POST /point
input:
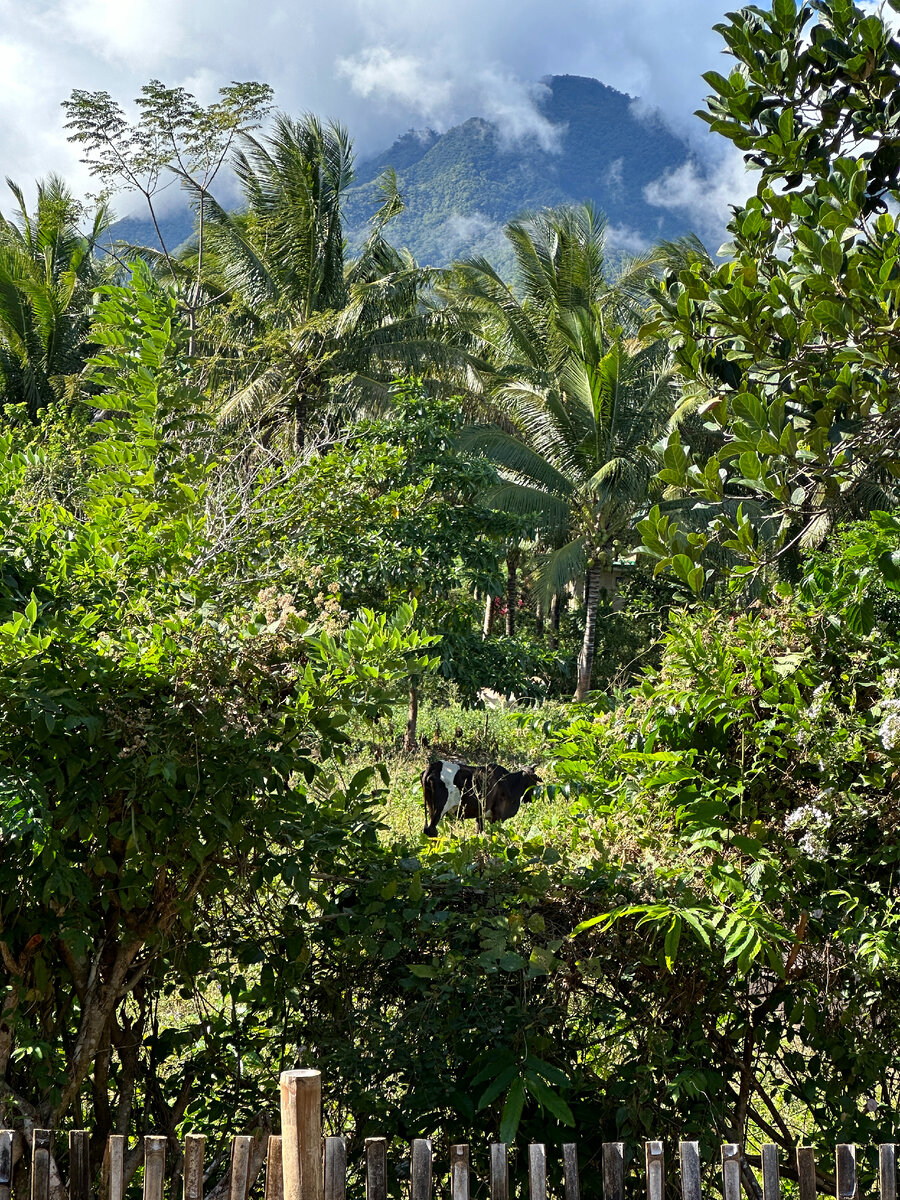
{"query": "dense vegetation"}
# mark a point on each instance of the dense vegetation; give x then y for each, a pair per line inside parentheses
(280, 521)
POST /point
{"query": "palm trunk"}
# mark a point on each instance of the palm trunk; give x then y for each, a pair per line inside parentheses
(586, 654)
(410, 741)
(539, 619)
(512, 566)
(554, 621)
(488, 616)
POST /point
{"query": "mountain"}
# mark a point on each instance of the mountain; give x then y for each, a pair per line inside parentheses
(461, 186)
(176, 226)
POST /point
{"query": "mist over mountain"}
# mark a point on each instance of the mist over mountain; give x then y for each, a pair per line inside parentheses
(461, 186)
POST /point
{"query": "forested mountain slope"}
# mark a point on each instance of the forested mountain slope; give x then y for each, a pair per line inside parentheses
(462, 185)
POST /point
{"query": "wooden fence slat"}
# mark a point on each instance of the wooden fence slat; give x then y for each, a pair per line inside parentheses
(274, 1170)
(654, 1159)
(194, 1151)
(537, 1171)
(571, 1183)
(154, 1167)
(79, 1164)
(731, 1171)
(40, 1165)
(806, 1172)
(113, 1171)
(499, 1171)
(376, 1169)
(239, 1175)
(459, 1172)
(689, 1161)
(846, 1186)
(301, 1134)
(6, 1167)
(613, 1171)
(771, 1179)
(335, 1168)
(887, 1172)
(420, 1169)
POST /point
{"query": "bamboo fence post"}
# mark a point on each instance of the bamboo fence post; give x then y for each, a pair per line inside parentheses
(806, 1172)
(40, 1165)
(654, 1158)
(420, 1170)
(537, 1171)
(274, 1170)
(571, 1187)
(499, 1171)
(154, 1167)
(887, 1172)
(689, 1159)
(79, 1164)
(6, 1167)
(301, 1134)
(112, 1176)
(731, 1171)
(376, 1169)
(194, 1150)
(459, 1172)
(335, 1168)
(846, 1183)
(239, 1175)
(613, 1171)
(771, 1180)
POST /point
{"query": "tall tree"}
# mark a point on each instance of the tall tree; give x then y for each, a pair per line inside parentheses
(305, 326)
(49, 269)
(580, 401)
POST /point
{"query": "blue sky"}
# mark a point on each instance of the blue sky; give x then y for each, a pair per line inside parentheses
(380, 66)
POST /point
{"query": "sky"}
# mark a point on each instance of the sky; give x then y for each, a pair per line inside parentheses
(379, 66)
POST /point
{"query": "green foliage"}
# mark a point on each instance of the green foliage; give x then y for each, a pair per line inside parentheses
(151, 739)
(789, 347)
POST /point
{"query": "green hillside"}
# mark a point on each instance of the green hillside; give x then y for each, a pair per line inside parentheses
(461, 186)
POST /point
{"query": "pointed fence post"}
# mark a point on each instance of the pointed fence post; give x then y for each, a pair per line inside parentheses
(887, 1171)
(40, 1165)
(113, 1172)
(654, 1157)
(420, 1170)
(192, 1172)
(6, 1157)
(499, 1171)
(689, 1157)
(613, 1171)
(301, 1134)
(274, 1170)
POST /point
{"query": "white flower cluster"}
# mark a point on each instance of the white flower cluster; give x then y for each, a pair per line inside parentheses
(889, 732)
(815, 823)
(819, 697)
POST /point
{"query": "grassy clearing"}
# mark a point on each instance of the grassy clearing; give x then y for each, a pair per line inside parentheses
(514, 739)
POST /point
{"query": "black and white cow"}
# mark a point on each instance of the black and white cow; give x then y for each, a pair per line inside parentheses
(490, 792)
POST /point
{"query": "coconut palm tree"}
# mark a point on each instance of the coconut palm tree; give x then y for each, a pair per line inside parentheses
(579, 400)
(306, 328)
(49, 270)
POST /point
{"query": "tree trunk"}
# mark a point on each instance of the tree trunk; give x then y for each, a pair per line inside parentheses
(539, 619)
(488, 616)
(512, 568)
(554, 621)
(586, 654)
(410, 741)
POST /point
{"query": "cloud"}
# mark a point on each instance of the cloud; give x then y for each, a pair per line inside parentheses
(707, 192)
(379, 66)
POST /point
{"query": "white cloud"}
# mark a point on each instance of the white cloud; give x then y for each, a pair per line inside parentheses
(705, 192)
(620, 237)
(379, 66)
